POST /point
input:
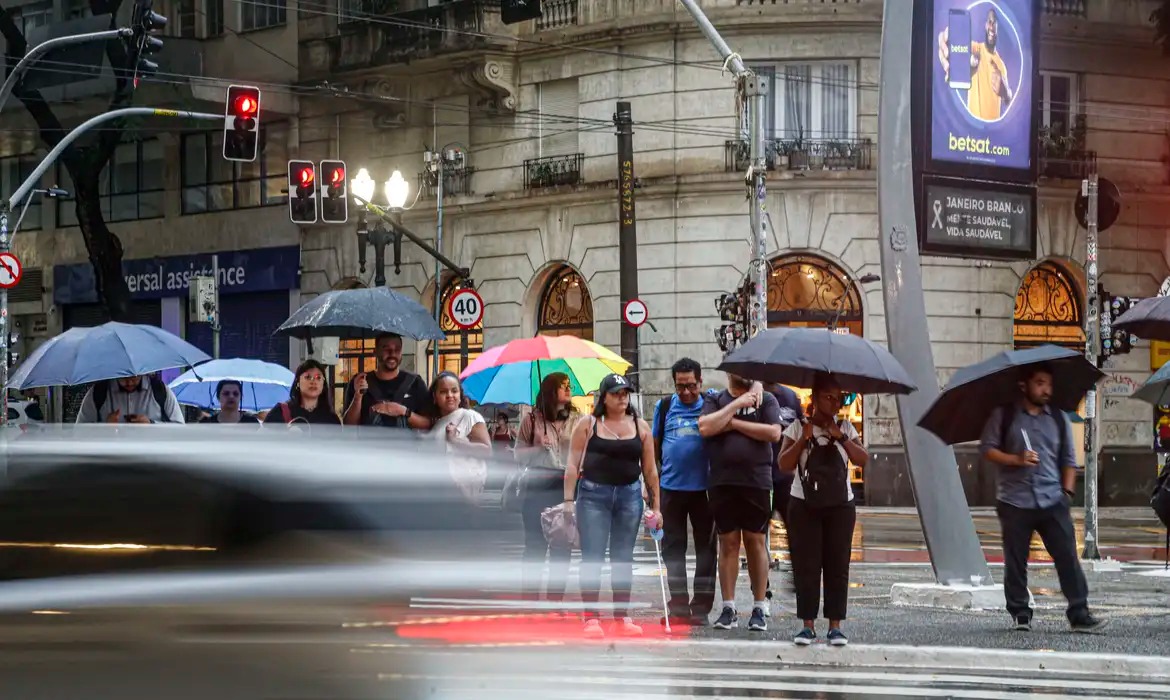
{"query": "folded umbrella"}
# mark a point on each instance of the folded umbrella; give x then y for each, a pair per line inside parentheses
(264, 384)
(794, 356)
(511, 373)
(965, 404)
(362, 313)
(1149, 319)
(108, 351)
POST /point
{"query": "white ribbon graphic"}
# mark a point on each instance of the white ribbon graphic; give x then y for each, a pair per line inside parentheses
(937, 223)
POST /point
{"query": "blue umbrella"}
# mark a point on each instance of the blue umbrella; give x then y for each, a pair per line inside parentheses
(362, 313)
(108, 351)
(265, 384)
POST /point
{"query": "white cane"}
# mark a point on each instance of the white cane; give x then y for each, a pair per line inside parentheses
(661, 569)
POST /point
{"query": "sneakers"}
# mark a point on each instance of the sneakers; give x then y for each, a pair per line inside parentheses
(626, 628)
(757, 623)
(728, 620)
(1089, 624)
(805, 637)
(1023, 624)
(837, 638)
(593, 630)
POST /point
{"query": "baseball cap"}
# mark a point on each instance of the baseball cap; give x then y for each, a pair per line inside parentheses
(613, 383)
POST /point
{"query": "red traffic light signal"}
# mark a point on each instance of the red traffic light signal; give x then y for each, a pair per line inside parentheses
(302, 195)
(334, 192)
(241, 123)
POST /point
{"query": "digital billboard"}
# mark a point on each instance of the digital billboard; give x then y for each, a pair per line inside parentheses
(981, 96)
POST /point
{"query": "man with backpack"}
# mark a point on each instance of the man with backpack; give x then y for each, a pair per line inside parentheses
(392, 397)
(1030, 442)
(683, 484)
(142, 399)
(739, 426)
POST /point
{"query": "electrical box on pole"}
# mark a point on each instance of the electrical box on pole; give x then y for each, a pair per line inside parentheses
(241, 123)
(302, 192)
(334, 192)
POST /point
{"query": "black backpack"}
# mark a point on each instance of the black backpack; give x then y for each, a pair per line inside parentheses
(101, 392)
(1160, 502)
(825, 475)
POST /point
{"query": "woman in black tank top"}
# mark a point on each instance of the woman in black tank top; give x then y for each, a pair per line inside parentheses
(612, 452)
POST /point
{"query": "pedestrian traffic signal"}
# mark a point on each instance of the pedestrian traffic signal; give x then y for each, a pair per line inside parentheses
(145, 21)
(241, 123)
(302, 192)
(334, 192)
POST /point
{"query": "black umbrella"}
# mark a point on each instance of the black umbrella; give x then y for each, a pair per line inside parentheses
(360, 313)
(1149, 318)
(962, 409)
(794, 356)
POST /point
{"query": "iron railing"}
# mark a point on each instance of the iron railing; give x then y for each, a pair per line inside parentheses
(1073, 165)
(803, 154)
(553, 171)
(558, 13)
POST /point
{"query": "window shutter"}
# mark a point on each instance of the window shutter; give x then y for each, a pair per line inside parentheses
(559, 103)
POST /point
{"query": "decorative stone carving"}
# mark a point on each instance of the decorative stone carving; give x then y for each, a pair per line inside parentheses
(492, 80)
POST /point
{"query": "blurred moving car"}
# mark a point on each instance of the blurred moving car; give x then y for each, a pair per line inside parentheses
(214, 562)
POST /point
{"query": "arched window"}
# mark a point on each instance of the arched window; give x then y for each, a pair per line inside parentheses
(1048, 308)
(809, 291)
(462, 345)
(565, 306)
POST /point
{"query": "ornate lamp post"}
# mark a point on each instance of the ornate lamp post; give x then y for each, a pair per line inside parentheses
(397, 189)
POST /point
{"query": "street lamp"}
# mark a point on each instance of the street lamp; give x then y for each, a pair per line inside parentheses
(397, 190)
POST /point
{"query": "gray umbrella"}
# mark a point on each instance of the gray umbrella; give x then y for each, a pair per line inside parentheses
(794, 356)
(1149, 319)
(360, 313)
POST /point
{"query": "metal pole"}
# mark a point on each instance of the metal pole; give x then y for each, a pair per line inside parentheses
(438, 269)
(37, 51)
(1092, 348)
(5, 334)
(34, 178)
(753, 91)
(934, 475)
(627, 235)
(215, 325)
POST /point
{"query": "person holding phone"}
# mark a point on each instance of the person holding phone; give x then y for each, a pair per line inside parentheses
(1032, 445)
(140, 399)
(990, 92)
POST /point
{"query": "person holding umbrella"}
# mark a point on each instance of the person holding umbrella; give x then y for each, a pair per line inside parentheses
(391, 397)
(821, 513)
(1030, 441)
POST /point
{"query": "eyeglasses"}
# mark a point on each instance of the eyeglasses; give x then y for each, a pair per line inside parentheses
(692, 386)
(313, 377)
(567, 387)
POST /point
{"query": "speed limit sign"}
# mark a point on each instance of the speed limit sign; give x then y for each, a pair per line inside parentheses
(465, 308)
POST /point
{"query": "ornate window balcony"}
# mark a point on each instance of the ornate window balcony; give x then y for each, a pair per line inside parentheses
(557, 14)
(824, 154)
(553, 171)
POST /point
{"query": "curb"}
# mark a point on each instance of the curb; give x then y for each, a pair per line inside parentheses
(974, 659)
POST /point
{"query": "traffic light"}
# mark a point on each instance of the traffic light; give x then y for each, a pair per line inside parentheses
(302, 192)
(145, 21)
(241, 123)
(334, 192)
(515, 11)
(1113, 340)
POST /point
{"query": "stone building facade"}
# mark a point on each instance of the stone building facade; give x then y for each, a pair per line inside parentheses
(533, 212)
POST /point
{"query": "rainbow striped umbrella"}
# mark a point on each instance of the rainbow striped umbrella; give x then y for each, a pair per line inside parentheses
(511, 373)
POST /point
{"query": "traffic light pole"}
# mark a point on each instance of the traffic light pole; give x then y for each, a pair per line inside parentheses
(753, 92)
(41, 49)
(26, 190)
(1092, 348)
(381, 213)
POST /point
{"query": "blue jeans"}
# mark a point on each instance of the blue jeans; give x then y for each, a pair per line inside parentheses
(608, 517)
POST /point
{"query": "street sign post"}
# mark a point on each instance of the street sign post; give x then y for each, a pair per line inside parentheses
(10, 271)
(634, 312)
(465, 308)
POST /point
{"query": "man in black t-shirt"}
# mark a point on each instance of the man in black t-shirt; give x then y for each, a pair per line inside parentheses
(390, 397)
(740, 426)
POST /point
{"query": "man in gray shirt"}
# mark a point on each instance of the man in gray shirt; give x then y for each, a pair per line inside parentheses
(142, 399)
(1032, 444)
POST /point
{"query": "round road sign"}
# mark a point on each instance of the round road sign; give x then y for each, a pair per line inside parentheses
(635, 313)
(465, 308)
(10, 270)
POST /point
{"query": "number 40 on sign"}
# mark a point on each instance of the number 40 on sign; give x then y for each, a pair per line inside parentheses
(465, 308)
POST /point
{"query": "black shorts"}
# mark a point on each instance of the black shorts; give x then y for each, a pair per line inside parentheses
(738, 508)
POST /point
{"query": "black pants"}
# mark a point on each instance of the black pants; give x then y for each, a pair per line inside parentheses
(781, 494)
(821, 542)
(677, 508)
(541, 494)
(1055, 526)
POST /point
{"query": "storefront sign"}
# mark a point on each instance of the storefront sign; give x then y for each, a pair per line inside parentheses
(240, 271)
(978, 220)
(983, 67)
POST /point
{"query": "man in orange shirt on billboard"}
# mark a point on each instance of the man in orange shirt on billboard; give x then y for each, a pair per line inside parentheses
(989, 93)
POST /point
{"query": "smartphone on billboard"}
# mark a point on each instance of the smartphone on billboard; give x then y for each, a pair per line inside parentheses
(959, 44)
